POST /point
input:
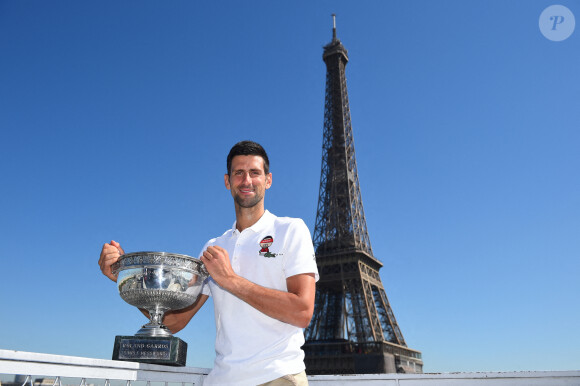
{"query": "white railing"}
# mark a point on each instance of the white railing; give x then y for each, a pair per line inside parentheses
(86, 371)
(518, 378)
(48, 365)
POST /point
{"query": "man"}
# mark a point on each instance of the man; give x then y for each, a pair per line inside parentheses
(263, 275)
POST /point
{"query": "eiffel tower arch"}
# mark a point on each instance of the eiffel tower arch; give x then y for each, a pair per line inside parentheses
(353, 329)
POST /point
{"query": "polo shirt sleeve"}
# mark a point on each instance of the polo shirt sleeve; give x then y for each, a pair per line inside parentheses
(299, 252)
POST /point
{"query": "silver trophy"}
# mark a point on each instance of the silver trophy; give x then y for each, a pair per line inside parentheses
(157, 282)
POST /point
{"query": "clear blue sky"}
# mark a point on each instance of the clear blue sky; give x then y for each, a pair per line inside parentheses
(116, 117)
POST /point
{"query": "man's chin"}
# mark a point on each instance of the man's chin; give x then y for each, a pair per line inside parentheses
(247, 203)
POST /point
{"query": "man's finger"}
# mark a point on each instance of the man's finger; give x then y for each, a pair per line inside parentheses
(118, 246)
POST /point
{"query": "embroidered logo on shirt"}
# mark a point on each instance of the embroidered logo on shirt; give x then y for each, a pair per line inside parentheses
(265, 244)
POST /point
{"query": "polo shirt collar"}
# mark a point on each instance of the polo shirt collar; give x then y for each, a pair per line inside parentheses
(262, 224)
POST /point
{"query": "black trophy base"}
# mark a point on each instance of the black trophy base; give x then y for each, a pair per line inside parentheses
(170, 351)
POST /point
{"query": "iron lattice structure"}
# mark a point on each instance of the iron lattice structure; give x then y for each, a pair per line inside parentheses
(353, 329)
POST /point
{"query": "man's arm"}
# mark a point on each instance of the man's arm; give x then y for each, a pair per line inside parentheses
(294, 307)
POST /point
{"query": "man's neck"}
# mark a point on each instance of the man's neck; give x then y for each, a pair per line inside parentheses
(246, 217)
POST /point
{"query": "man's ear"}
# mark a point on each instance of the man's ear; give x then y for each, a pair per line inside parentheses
(268, 180)
(227, 181)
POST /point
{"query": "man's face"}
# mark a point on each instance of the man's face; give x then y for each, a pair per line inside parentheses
(247, 180)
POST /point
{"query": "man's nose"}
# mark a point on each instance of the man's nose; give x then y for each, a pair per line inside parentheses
(246, 179)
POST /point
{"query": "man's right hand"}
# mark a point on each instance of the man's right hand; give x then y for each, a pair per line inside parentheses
(109, 255)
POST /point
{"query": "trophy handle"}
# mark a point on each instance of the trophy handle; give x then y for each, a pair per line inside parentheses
(203, 270)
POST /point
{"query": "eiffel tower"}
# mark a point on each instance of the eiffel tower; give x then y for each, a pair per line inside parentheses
(353, 329)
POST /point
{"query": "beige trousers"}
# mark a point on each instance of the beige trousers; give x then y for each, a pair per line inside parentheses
(289, 380)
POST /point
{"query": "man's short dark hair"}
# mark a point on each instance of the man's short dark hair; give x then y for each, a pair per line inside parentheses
(248, 148)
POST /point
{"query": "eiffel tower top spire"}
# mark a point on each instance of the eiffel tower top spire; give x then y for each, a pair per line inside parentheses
(340, 220)
(335, 46)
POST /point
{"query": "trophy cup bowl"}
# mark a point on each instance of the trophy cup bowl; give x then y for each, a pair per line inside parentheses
(157, 282)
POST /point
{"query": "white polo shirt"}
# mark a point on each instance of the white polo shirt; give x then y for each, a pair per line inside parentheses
(251, 347)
